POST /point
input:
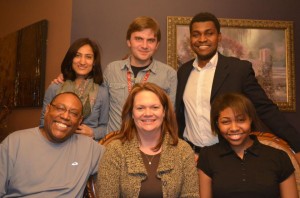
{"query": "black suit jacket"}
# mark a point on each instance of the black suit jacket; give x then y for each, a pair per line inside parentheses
(235, 75)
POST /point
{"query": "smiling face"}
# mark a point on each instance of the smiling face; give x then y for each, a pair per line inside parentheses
(148, 112)
(204, 39)
(83, 61)
(143, 44)
(62, 118)
(235, 128)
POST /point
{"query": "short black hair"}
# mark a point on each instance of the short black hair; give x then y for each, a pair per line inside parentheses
(203, 17)
(70, 93)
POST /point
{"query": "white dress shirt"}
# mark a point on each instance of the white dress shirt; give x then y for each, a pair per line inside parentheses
(196, 99)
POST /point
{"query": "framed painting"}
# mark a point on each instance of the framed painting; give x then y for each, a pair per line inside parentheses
(268, 45)
(22, 66)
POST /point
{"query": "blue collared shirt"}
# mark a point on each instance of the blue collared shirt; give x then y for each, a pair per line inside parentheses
(115, 78)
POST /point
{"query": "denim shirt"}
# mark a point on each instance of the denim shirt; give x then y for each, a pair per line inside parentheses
(115, 78)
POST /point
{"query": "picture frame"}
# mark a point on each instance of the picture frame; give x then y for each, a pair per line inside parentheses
(23, 65)
(267, 44)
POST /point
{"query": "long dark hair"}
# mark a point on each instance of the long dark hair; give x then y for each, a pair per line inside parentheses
(66, 65)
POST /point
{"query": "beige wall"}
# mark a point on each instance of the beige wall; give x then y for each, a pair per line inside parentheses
(16, 14)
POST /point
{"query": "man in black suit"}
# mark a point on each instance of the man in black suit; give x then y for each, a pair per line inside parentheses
(211, 74)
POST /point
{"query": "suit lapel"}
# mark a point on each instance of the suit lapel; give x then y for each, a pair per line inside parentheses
(185, 77)
(221, 74)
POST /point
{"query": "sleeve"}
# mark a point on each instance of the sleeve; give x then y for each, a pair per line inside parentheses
(287, 167)
(49, 95)
(203, 162)
(268, 111)
(190, 187)
(8, 152)
(109, 172)
(173, 86)
(101, 130)
(3, 168)
(98, 151)
(106, 76)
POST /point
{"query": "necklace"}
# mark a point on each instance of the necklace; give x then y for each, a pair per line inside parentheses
(149, 159)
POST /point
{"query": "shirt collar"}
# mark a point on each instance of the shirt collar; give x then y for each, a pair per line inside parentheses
(225, 148)
(126, 64)
(211, 64)
(152, 67)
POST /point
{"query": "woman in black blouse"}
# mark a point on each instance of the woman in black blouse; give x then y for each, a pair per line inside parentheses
(239, 165)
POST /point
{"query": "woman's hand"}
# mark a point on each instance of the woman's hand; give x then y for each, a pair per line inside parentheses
(58, 80)
(85, 130)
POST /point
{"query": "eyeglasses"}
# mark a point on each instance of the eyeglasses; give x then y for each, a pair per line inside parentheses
(62, 109)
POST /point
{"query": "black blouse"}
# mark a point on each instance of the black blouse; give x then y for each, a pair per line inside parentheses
(257, 175)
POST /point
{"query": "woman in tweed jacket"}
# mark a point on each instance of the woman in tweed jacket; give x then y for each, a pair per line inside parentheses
(146, 158)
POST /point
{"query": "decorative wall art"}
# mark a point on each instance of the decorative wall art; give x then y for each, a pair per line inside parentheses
(22, 66)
